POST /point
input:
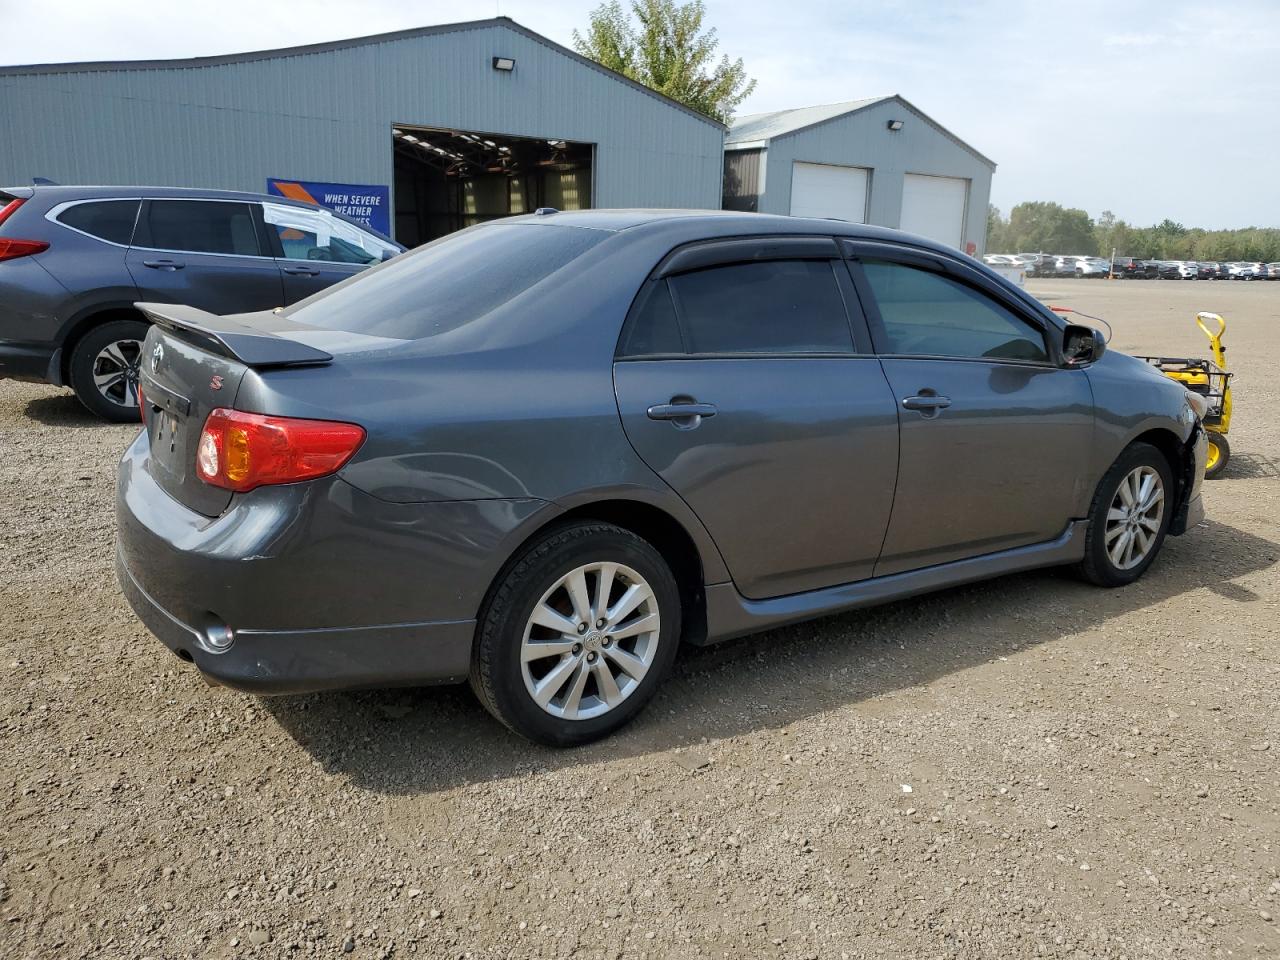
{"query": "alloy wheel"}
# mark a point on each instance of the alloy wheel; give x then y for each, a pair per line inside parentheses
(115, 372)
(1133, 520)
(590, 640)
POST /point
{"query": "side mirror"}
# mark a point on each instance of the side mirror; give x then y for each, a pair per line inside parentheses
(1082, 345)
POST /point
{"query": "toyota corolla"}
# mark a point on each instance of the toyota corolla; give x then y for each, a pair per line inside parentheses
(541, 453)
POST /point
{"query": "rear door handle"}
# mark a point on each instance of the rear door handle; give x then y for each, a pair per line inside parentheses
(927, 403)
(301, 271)
(163, 264)
(683, 415)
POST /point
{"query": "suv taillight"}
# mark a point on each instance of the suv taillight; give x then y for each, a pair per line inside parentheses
(8, 209)
(239, 451)
(13, 249)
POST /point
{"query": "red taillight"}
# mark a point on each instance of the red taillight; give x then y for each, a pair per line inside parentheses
(8, 209)
(13, 249)
(142, 406)
(239, 451)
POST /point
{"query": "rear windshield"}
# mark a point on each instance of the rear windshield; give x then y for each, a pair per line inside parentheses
(448, 283)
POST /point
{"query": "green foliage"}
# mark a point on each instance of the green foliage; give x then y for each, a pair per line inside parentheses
(1048, 227)
(667, 49)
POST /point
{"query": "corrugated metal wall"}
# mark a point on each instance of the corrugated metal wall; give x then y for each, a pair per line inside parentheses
(327, 115)
(863, 139)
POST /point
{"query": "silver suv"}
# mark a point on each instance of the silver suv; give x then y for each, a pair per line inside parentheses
(74, 260)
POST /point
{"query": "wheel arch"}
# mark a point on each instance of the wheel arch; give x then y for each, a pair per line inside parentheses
(668, 535)
(84, 321)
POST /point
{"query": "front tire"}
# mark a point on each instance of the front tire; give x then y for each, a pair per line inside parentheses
(577, 634)
(1219, 454)
(1129, 517)
(104, 369)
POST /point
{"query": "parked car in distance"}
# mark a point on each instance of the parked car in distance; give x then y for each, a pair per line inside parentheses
(1273, 271)
(73, 261)
(1206, 271)
(1049, 265)
(537, 454)
(1091, 267)
(1131, 268)
(1176, 270)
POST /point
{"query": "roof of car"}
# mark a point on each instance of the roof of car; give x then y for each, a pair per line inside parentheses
(724, 222)
(78, 192)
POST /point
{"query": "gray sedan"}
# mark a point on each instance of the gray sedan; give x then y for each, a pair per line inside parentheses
(540, 453)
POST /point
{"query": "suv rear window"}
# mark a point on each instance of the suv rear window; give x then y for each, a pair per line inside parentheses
(448, 283)
(111, 220)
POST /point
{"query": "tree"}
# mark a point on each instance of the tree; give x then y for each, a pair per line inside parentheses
(1042, 226)
(668, 50)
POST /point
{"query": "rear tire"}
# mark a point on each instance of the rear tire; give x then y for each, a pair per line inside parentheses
(104, 368)
(1219, 454)
(554, 661)
(1128, 520)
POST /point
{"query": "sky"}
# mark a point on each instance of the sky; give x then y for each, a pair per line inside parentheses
(1149, 110)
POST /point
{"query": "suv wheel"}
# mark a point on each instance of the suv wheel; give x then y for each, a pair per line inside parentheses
(1129, 517)
(577, 634)
(104, 369)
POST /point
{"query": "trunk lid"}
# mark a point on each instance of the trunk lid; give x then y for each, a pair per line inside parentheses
(192, 363)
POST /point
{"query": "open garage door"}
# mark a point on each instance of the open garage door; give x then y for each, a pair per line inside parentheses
(828, 190)
(934, 207)
(449, 179)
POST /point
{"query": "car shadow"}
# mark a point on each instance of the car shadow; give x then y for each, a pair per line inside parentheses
(432, 739)
(63, 410)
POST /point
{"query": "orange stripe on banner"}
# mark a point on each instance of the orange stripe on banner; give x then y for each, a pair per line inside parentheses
(295, 191)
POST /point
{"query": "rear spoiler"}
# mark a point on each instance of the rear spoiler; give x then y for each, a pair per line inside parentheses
(254, 346)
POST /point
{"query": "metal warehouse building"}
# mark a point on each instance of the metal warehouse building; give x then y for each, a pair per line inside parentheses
(465, 122)
(877, 161)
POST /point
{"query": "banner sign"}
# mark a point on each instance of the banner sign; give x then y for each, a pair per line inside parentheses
(364, 203)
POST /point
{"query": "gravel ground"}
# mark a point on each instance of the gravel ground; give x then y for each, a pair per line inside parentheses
(1028, 767)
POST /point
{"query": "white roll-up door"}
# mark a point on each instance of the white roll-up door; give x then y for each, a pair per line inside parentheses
(828, 190)
(934, 207)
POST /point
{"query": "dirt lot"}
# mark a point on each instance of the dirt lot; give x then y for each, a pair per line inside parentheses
(1028, 767)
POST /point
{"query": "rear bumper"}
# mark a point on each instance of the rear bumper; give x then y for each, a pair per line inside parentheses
(322, 586)
(306, 661)
(26, 361)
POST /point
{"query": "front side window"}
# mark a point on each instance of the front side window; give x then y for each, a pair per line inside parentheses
(927, 314)
(105, 219)
(200, 226)
(766, 307)
(316, 234)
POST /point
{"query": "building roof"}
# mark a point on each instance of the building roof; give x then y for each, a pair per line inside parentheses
(766, 126)
(757, 129)
(233, 58)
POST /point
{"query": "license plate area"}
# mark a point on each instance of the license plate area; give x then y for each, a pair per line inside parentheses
(166, 419)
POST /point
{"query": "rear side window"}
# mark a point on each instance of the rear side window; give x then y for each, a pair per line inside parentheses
(111, 220)
(652, 329)
(446, 284)
(926, 314)
(199, 226)
(766, 307)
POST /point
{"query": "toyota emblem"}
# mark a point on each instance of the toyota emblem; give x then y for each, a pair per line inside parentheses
(156, 356)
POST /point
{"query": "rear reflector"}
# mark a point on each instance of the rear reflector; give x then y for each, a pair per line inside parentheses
(240, 451)
(12, 249)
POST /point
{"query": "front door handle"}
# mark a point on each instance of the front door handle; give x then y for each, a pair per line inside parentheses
(169, 265)
(926, 402)
(301, 271)
(683, 414)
